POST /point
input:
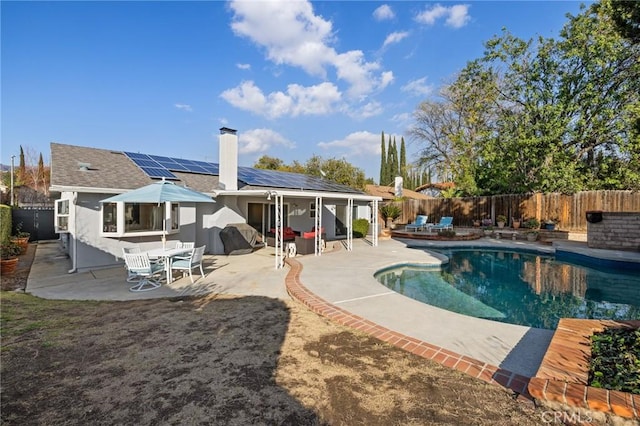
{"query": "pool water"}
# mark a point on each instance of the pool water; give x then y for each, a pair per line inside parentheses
(519, 288)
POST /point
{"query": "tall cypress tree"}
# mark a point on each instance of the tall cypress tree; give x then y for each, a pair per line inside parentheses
(394, 161)
(389, 167)
(22, 169)
(403, 161)
(383, 161)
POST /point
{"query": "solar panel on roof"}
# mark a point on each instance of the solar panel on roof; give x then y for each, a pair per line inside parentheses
(158, 172)
(136, 155)
(157, 166)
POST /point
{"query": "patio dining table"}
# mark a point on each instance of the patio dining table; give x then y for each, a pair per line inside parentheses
(167, 254)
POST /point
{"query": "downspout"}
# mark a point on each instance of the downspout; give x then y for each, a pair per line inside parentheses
(74, 256)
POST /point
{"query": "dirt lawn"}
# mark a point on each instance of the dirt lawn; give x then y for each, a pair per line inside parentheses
(222, 360)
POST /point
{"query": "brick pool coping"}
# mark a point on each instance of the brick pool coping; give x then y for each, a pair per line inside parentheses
(560, 378)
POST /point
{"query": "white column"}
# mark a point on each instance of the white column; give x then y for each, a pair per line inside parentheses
(350, 224)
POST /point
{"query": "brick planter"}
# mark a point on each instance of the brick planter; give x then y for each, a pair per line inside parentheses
(564, 373)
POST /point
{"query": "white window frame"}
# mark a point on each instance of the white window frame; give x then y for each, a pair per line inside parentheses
(62, 213)
(171, 221)
(312, 209)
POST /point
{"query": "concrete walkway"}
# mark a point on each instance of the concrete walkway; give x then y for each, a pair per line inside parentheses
(238, 275)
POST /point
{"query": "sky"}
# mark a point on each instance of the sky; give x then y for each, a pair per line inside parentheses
(295, 78)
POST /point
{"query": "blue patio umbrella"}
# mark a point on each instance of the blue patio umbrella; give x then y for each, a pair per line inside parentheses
(161, 192)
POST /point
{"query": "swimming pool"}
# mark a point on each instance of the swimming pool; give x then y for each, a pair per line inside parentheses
(518, 287)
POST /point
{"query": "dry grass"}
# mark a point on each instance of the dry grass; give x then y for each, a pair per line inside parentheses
(222, 360)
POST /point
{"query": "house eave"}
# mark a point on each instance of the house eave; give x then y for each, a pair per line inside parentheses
(297, 194)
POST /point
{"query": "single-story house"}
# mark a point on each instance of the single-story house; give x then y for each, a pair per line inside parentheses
(94, 232)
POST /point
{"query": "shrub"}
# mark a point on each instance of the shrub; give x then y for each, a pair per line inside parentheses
(360, 228)
(5, 223)
(532, 223)
(9, 250)
(449, 233)
(502, 218)
(390, 211)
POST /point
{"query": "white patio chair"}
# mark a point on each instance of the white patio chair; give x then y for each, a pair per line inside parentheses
(131, 277)
(145, 270)
(186, 245)
(188, 263)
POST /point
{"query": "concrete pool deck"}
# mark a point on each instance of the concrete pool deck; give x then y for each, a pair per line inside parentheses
(341, 286)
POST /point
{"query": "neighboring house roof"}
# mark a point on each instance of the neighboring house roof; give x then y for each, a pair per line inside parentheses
(76, 168)
(439, 186)
(388, 192)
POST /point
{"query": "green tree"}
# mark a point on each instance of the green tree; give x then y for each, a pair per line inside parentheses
(540, 115)
(383, 161)
(336, 170)
(626, 17)
(403, 161)
(22, 169)
(269, 163)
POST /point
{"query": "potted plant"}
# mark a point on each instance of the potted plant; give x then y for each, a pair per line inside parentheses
(9, 252)
(549, 224)
(532, 235)
(501, 220)
(21, 238)
(488, 230)
(532, 223)
(390, 212)
(515, 222)
(476, 223)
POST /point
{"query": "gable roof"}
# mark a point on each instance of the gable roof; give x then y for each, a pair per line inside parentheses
(105, 171)
(388, 193)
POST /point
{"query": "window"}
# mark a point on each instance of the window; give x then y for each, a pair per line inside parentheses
(128, 219)
(312, 209)
(62, 216)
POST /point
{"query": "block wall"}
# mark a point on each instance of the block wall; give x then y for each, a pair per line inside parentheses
(617, 231)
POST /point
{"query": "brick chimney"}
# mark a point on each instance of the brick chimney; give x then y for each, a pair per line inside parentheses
(228, 158)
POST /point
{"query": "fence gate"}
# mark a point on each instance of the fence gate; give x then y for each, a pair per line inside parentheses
(38, 222)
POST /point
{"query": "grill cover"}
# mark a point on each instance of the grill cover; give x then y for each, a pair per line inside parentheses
(240, 238)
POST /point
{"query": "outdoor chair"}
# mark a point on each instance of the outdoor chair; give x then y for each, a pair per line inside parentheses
(418, 224)
(189, 263)
(131, 277)
(446, 222)
(139, 265)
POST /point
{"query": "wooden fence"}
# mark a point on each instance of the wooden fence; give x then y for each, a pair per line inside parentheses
(567, 210)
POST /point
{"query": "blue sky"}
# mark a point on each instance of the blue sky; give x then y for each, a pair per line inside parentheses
(295, 78)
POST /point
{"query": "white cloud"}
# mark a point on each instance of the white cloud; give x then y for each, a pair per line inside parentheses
(293, 35)
(298, 100)
(430, 15)
(370, 109)
(395, 37)
(418, 87)
(456, 16)
(244, 66)
(183, 107)
(257, 141)
(383, 13)
(356, 143)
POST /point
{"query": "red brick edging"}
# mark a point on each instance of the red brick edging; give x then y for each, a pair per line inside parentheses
(564, 372)
(473, 367)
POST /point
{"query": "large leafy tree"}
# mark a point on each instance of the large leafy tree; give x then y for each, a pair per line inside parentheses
(334, 169)
(540, 115)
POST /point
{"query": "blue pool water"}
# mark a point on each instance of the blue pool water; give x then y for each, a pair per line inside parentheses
(518, 288)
